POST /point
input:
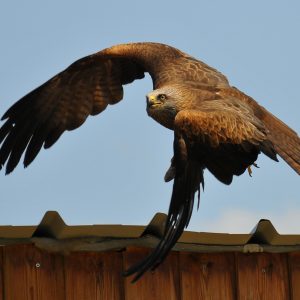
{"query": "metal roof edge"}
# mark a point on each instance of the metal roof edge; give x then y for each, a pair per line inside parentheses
(51, 225)
(55, 235)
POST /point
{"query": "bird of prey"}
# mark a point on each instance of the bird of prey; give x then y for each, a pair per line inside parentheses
(216, 126)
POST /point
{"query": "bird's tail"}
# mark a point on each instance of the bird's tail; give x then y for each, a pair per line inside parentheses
(286, 141)
(182, 202)
(187, 181)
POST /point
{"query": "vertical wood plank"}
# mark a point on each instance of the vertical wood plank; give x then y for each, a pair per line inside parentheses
(30, 273)
(207, 276)
(160, 284)
(94, 276)
(262, 276)
(1, 274)
(294, 267)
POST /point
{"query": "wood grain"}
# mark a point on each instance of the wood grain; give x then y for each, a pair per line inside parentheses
(29, 273)
(262, 276)
(95, 276)
(207, 276)
(32, 274)
(294, 267)
(161, 284)
(1, 274)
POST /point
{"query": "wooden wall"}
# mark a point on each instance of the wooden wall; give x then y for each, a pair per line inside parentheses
(29, 273)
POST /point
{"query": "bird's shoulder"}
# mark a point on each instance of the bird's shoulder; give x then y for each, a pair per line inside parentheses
(221, 115)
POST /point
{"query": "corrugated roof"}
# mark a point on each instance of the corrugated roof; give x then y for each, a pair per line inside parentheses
(54, 234)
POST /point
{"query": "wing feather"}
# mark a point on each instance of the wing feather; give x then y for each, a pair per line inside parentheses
(285, 140)
(86, 88)
(63, 103)
(225, 135)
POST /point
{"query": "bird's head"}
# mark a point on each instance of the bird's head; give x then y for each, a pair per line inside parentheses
(162, 105)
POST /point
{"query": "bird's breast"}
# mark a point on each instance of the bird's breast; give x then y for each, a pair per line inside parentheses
(165, 117)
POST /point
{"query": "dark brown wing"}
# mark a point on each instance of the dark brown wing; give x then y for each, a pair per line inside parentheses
(86, 88)
(187, 181)
(285, 140)
(63, 103)
(225, 136)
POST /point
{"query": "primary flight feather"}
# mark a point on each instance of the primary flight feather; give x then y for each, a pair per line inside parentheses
(216, 126)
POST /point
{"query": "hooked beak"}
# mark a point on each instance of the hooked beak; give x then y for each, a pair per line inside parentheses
(152, 102)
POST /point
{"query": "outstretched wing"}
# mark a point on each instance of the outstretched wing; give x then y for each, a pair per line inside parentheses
(285, 140)
(226, 136)
(63, 103)
(187, 181)
(86, 88)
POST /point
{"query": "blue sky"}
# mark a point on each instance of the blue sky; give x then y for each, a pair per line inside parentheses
(110, 171)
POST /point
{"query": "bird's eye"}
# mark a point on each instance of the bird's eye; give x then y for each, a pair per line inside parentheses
(162, 97)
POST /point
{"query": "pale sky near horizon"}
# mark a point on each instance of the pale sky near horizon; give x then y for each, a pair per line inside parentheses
(110, 170)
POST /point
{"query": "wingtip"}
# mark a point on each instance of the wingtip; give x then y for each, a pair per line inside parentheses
(7, 170)
(27, 161)
(4, 117)
(9, 167)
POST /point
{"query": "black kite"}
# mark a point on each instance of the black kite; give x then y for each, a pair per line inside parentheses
(216, 126)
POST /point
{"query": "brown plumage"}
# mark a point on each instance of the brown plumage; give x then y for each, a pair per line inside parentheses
(216, 127)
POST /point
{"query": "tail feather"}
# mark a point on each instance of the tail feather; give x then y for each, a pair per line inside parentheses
(187, 181)
(180, 211)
